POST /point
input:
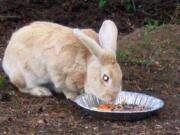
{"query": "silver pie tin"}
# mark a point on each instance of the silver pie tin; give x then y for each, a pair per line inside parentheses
(89, 103)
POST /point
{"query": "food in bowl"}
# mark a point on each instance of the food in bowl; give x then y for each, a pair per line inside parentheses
(121, 107)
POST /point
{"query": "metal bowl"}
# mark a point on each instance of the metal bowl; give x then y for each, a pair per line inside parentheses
(89, 103)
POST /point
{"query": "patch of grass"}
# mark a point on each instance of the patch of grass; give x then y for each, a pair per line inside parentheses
(3, 82)
(152, 24)
(142, 62)
(145, 42)
(142, 45)
(126, 56)
(138, 61)
(147, 38)
(123, 54)
(176, 46)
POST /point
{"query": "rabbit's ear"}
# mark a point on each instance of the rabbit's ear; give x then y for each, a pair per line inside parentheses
(108, 36)
(90, 43)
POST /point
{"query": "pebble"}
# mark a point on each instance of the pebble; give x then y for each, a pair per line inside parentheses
(40, 121)
(86, 127)
(158, 126)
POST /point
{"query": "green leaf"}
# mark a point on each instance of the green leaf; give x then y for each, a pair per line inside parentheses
(102, 3)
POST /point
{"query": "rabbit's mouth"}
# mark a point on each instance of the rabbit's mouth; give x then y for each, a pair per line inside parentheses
(107, 98)
(104, 97)
(110, 97)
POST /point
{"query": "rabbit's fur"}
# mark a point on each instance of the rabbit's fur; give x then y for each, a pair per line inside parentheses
(70, 59)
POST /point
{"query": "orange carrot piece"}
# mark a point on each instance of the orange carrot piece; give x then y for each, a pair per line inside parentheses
(105, 106)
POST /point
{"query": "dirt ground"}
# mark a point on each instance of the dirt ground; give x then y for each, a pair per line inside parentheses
(149, 58)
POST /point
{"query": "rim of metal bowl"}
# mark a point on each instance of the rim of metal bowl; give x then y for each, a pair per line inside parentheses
(115, 112)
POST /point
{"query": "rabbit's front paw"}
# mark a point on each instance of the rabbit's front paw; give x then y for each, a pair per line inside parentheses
(70, 95)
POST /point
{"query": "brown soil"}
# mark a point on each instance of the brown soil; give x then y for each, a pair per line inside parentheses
(150, 61)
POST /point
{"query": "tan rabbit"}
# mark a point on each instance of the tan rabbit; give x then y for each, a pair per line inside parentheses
(73, 60)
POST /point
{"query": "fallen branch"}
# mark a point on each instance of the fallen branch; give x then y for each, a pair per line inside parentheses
(9, 17)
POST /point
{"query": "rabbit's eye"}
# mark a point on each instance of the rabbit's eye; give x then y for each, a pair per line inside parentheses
(105, 78)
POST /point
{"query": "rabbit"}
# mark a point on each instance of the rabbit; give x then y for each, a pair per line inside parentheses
(73, 60)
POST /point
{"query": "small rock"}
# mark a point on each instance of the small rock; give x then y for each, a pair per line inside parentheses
(158, 126)
(29, 112)
(157, 63)
(115, 125)
(40, 121)
(86, 127)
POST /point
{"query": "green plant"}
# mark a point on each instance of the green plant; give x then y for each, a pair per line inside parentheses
(2, 82)
(146, 40)
(176, 46)
(102, 3)
(127, 4)
(123, 54)
(152, 24)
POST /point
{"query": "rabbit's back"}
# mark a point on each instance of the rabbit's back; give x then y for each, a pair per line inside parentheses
(38, 34)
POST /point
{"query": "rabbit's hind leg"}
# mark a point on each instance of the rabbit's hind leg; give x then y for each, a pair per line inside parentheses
(35, 90)
(18, 80)
(34, 85)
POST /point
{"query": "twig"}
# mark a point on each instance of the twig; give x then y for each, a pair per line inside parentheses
(176, 11)
(9, 17)
(134, 6)
(146, 13)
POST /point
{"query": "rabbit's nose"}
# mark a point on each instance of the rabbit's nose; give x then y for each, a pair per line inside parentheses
(113, 95)
(110, 100)
(106, 98)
